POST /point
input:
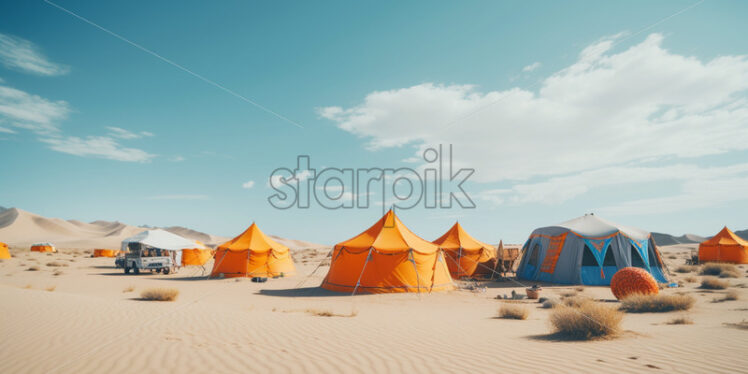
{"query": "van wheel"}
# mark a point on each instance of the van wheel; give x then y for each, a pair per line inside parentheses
(158, 270)
(127, 270)
(166, 271)
(136, 270)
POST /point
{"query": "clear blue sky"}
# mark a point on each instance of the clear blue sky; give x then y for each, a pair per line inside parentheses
(628, 109)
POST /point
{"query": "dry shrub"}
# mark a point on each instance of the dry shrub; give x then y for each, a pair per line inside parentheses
(576, 301)
(588, 321)
(514, 311)
(579, 289)
(569, 293)
(714, 284)
(128, 289)
(682, 320)
(731, 295)
(57, 273)
(720, 269)
(742, 325)
(329, 313)
(691, 279)
(656, 303)
(672, 257)
(160, 294)
(28, 287)
(33, 268)
(51, 288)
(686, 269)
(56, 264)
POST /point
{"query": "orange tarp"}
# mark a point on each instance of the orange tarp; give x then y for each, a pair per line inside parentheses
(196, 256)
(43, 248)
(466, 256)
(387, 257)
(252, 254)
(724, 247)
(105, 252)
(4, 253)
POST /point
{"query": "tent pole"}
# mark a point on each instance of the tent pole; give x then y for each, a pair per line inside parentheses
(358, 282)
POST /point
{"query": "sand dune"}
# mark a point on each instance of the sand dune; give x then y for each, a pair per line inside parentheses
(20, 228)
(88, 324)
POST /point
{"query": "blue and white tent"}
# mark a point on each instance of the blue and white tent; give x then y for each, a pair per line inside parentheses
(588, 250)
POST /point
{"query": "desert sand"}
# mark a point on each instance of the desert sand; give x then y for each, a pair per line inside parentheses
(86, 316)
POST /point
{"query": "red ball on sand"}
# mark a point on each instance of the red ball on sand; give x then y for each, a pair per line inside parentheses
(630, 280)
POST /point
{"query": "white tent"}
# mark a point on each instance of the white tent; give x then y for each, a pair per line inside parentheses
(163, 240)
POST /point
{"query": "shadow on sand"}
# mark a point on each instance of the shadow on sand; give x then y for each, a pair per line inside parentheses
(302, 292)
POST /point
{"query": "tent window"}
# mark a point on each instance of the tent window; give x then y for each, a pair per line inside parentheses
(609, 260)
(588, 259)
(653, 261)
(636, 258)
(534, 255)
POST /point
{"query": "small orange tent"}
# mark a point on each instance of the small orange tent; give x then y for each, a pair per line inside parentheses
(387, 257)
(4, 253)
(196, 256)
(252, 254)
(724, 247)
(466, 257)
(105, 252)
(43, 247)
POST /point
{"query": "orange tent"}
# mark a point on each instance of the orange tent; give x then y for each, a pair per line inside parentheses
(724, 247)
(4, 253)
(196, 256)
(105, 252)
(252, 254)
(466, 257)
(43, 247)
(387, 257)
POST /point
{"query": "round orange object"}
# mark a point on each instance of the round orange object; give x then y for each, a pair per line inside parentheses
(630, 280)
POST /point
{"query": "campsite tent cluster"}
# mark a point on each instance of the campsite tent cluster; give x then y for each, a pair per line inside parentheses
(388, 257)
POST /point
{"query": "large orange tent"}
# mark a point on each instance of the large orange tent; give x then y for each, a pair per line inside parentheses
(4, 253)
(196, 256)
(105, 252)
(387, 257)
(724, 247)
(252, 254)
(43, 247)
(466, 256)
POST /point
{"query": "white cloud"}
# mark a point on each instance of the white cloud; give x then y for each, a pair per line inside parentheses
(695, 194)
(121, 133)
(606, 109)
(557, 190)
(531, 67)
(22, 110)
(20, 54)
(248, 184)
(96, 146)
(179, 197)
(31, 112)
(177, 159)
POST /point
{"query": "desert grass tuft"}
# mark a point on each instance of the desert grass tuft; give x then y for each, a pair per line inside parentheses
(720, 269)
(160, 294)
(128, 289)
(686, 269)
(742, 325)
(590, 320)
(56, 264)
(711, 283)
(51, 288)
(691, 279)
(329, 313)
(682, 320)
(657, 303)
(514, 311)
(33, 268)
(576, 301)
(731, 295)
(57, 273)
